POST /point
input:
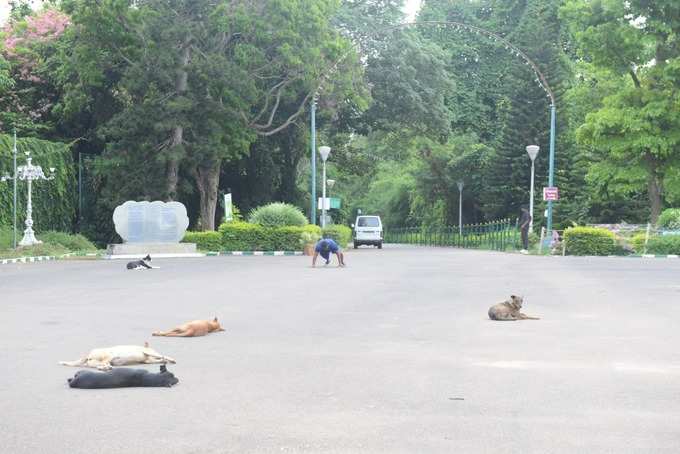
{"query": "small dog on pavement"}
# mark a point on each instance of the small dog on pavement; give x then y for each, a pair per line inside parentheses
(120, 355)
(509, 310)
(192, 329)
(122, 378)
(142, 264)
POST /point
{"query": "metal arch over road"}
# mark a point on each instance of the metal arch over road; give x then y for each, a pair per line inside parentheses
(540, 79)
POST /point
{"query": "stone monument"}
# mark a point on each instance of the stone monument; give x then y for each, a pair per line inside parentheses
(151, 228)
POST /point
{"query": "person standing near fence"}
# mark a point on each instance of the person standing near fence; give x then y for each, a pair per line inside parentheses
(524, 223)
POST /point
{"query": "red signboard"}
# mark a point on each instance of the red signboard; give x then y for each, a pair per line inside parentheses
(551, 193)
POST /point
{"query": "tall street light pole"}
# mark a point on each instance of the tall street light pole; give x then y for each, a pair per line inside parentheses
(330, 184)
(532, 151)
(461, 183)
(14, 206)
(551, 174)
(312, 213)
(13, 177)
(324, 152)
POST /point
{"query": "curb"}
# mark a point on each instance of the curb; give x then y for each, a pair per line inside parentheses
(634, 256)
(39, 258)
(257, 253)
(42, 258)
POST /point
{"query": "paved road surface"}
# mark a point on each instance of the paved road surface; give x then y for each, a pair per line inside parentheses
(393, 354)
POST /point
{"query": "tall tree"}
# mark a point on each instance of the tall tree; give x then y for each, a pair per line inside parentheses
(200, 80)
(639, 124)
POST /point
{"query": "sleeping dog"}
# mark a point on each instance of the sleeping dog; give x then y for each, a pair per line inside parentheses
(192, 329)
(120, 355)
(122, 378)
(141, 264)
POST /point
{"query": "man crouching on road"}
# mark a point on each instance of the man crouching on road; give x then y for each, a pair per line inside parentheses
(324, 247)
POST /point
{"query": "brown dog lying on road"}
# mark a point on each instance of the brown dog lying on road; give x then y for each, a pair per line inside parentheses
(192, 329)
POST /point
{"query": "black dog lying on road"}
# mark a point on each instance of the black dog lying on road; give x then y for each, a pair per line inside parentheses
(122, 378)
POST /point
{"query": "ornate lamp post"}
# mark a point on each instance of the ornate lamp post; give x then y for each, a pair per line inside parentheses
(29, 172)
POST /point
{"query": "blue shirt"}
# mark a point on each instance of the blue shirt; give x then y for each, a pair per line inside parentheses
(326, 246)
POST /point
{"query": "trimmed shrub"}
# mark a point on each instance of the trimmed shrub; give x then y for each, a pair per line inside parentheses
(242, 236)
(341, 234)
(205, 241)
(6, 237)
(277, 215)
(71, 242)
(665, 244)
(590, 241)
(637, 241)
(669, 219)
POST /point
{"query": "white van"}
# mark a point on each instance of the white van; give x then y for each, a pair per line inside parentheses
(368, 230)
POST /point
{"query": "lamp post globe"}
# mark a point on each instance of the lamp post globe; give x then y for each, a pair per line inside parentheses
(532, 151)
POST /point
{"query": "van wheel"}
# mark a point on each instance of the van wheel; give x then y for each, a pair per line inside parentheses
(379, 245)
(355, 245)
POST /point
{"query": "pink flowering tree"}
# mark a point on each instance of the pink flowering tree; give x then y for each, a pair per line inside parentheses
(25, 45)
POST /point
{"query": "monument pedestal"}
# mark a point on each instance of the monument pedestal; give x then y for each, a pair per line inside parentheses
(139, 250)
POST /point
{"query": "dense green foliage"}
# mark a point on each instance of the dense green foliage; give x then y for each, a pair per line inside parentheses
(664, 244)
(205, 241)
(54, 201)
(190, 99)
(590, 241)
(54, 244)
(277, 215)
(669, 219)
(341, 234)
(72, 242)
(242, 236)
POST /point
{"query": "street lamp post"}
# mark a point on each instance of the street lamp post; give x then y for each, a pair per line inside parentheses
(461, 183)
(532, 151)
(29, 172)
(324, 152)
(312, 213)
(330, 184)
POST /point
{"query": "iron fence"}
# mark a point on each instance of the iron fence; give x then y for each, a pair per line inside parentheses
(497, 235)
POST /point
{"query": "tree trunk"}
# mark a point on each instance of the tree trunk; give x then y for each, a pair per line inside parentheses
(177, 144)
(655, 197)
(654, 188)
(207, 181)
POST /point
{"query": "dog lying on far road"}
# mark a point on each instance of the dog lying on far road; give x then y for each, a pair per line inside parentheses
(122, 378)
(509, 310)
(120, 355)
(141, 264)
(192, 329)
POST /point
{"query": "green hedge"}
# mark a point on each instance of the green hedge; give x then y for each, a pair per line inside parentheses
(341, 234)
(243, 236)
(637, 242)
(54, 201)
(205, 241)
(590, 241)
(278, 215)
(669, 219)
(665, 244)
(71, 242)
(53, 243)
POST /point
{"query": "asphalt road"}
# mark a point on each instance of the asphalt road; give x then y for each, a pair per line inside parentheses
(394, 354)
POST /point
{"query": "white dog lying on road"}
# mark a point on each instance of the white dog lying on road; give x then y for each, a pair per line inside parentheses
(120, 355)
